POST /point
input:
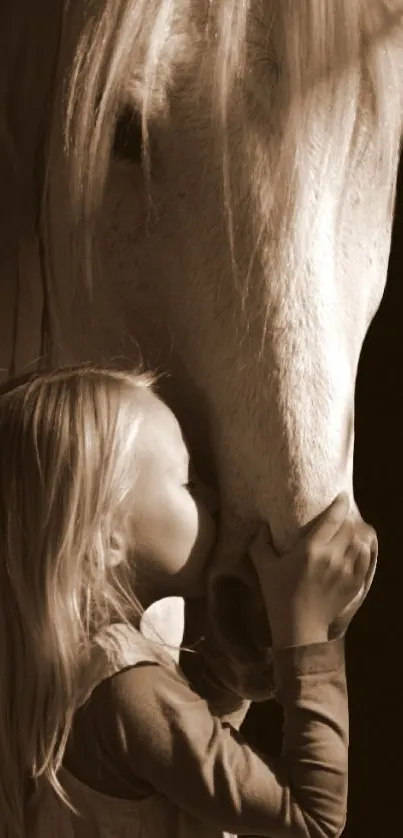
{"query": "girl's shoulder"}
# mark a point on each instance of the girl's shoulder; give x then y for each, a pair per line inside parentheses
(120, 646)
(126, 663)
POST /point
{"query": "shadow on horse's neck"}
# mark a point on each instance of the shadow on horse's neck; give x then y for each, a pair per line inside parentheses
(188, 403)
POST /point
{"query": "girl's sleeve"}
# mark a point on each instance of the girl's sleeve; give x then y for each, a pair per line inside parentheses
(165, 733)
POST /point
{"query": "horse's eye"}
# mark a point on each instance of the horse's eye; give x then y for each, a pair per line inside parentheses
(127, 144)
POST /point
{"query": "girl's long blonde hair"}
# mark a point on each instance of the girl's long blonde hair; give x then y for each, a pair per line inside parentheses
(67, 467)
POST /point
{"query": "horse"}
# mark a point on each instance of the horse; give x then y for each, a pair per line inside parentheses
(206, 189)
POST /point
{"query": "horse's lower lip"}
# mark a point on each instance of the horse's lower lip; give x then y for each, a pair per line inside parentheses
(252, 651)
(238, 642)
(245, 670)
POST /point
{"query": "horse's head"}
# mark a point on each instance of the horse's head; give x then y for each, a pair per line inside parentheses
(248, 254)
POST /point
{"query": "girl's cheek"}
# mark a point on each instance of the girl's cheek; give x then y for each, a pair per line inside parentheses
(178, 529)
(195, 531)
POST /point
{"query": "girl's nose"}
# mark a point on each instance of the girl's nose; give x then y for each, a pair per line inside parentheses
(206, 494)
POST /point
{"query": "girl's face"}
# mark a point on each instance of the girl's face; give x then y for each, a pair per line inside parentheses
(173, 529)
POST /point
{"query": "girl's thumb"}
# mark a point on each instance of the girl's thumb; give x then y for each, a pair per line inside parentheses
(261, 550)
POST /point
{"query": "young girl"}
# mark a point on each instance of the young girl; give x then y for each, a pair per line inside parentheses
(101, 736)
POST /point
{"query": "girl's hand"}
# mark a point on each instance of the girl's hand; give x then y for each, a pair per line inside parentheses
(308, 588)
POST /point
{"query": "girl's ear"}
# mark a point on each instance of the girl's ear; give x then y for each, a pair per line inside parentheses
(117, 548)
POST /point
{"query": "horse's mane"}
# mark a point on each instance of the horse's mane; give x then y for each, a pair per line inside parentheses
(129, 53)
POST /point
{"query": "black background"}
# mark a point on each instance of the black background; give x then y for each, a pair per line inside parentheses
(374, 655)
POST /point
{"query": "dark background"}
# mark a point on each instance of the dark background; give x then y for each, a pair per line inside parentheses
(374, 654)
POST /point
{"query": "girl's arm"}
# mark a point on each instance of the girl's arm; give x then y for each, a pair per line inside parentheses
(163, 732)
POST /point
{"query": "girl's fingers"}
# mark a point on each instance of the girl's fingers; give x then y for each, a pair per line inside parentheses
(323, 529)
(367, 536)
(360, 555)
(363, 550)
(328, 523)
(261, 549)
(343, 537)
(355, 552)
